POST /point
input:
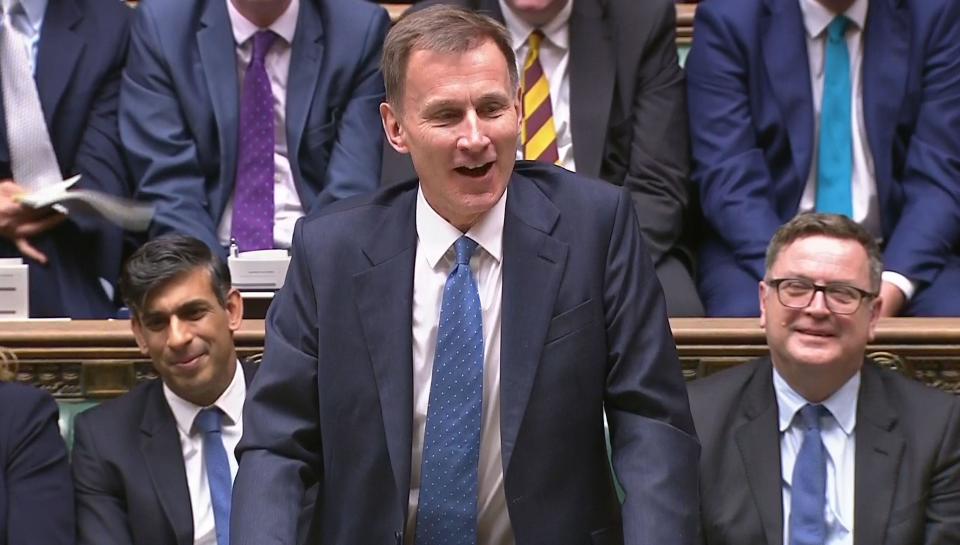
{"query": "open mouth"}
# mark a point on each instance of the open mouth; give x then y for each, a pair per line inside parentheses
(477, 171)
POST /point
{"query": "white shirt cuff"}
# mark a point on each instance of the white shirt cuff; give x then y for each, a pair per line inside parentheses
(901, 282)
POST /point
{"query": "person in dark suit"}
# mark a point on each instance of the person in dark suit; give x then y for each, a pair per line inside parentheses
(193, 141)
(36, 494)
(879, 460)
(436, 396)
(141, 462)
(619, 104)
(759, 79)
(77, 50)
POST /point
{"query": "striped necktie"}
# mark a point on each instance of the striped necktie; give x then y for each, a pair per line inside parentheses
(539, 135)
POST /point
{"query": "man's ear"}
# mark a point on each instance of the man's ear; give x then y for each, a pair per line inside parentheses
(392, 128)
(234, 306)
(138, 334)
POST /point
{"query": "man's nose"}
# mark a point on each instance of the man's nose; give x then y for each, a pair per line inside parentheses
(181, 333)
(818, 305)
(474, 137)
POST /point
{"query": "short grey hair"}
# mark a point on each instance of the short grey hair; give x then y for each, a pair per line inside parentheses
(441, 29)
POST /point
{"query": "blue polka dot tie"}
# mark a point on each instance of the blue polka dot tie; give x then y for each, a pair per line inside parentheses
(808, 493)
(218, 471)
(253, 208)
(835, 159)
(447, 512)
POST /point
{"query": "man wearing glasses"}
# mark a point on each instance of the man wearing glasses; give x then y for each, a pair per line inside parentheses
(816, 444)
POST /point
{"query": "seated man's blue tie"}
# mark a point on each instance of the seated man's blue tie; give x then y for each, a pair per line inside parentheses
(835, 155)
(447, 512)
(808, 494)
(218, 471)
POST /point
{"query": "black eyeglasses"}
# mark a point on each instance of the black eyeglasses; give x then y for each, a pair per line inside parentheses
(839, 298)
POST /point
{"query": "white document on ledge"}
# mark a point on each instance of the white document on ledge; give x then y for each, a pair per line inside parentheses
(258, 269)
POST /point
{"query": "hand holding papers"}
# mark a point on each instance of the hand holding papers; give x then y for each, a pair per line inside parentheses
(126, 213)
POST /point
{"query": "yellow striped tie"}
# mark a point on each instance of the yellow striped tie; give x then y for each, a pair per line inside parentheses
(538, 135)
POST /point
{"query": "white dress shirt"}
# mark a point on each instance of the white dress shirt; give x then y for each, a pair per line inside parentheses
(555, 59)
(866, 207)
(191, 444)
(29, 21)
(434, 260)
(837, 434)
(286, 200)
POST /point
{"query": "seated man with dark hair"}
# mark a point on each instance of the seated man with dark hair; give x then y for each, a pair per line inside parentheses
(156, 465)
(815, 443)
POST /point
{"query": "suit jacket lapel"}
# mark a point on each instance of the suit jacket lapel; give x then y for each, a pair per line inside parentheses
(878, 455)
(384, 301)
(160, 446)
(886, 52)
(219, 60)
(60, 47)
(759, 443)
(305, 55)
(591, 71)
(785, 57)
(533, 265)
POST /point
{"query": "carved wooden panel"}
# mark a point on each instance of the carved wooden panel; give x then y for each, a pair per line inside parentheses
(96, 359)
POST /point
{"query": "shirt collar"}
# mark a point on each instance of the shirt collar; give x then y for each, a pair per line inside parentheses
(816, 17)
(285, 26)
(842, 404)
(230, 402)
(34, 9)
(557, 31)
(435, 235)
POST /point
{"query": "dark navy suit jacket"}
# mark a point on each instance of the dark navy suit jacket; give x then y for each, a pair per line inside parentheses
(36, 494)
(81, 53)
(752, 129)
(907, 459)
(180, 108)
(128, 468)
(584, 330)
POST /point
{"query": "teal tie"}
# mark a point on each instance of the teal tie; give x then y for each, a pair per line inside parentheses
(835, 165)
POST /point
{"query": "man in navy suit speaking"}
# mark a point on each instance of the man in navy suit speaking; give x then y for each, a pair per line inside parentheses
(441, 357)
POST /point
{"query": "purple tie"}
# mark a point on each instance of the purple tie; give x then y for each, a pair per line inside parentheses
(252, 223)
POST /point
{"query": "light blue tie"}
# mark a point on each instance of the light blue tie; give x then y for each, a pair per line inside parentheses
(447, 512)
(218, 471)
(808, 493)
(835, 159)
